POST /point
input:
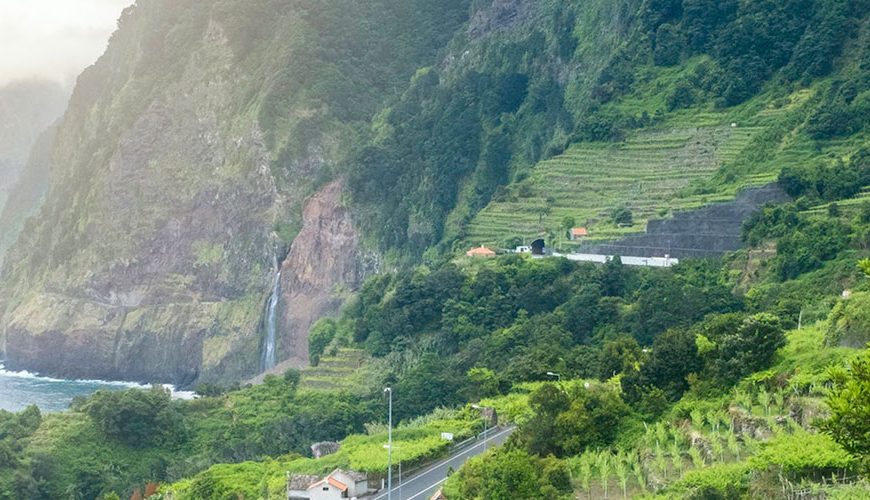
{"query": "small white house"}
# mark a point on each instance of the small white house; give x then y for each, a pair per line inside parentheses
(337, 485)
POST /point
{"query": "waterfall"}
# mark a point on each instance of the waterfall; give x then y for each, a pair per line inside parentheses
(269, 357)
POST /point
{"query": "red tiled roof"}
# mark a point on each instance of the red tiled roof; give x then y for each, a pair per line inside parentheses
(332, 482)
(338, 484)
(481, 251)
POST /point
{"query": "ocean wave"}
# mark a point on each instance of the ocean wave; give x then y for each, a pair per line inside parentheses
(176, 394)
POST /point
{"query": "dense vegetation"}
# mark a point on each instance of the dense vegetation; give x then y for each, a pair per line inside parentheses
(701, 381)
(118, 440)
(457, 135)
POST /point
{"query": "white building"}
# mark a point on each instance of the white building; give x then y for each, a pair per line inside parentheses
(337, 485)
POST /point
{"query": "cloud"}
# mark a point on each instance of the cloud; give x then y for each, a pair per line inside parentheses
(54, 39)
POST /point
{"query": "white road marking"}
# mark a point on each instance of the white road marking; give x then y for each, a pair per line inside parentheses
(446, 461)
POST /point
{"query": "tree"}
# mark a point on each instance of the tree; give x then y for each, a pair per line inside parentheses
(673, 358)
(669, 43)
(592, 420)
(682, 96)
(482, 382)
(618, 356)
(849, 404)
(864, 265)
(622, 216)
(750, 348)
(510, 473)
(137, 417)
(612, 278)
(849, 321)
(320, 336)
(539, 434)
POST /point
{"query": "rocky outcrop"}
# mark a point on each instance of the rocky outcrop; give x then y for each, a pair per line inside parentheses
(500, 15)
(324, 263)
(151, 256)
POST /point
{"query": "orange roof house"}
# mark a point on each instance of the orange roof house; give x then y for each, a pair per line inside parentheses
(482, 251)
(578, 232)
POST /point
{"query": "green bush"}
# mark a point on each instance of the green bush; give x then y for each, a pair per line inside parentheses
(320, 335)
(715, 481)
(803, 454)
(849, 401)
(849, 322)
(502, 474)
(136, 417)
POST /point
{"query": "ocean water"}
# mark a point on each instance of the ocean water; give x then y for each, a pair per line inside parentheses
(18, 390)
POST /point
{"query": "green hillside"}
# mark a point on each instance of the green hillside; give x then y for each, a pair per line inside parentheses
(336, 372)
(692, 158)
(353, 149)
(645, 173)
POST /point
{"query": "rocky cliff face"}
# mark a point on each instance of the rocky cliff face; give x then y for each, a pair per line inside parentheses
(27, 109)
(152, 251)
(179, 175)
(325, 261)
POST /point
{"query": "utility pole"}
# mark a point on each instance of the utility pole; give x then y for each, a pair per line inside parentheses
(389, 391)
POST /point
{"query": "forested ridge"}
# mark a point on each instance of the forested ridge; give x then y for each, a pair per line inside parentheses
(737, 377)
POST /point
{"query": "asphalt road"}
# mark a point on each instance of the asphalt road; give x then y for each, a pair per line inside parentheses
(422, 485)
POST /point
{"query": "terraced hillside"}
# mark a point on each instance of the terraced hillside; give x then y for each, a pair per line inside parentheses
(587, 182)
(694, 159)
(852, 204)
(336, 372)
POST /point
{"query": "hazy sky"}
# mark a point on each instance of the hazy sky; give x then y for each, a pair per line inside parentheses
(55, 39)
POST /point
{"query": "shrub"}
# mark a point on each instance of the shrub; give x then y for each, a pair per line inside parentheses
(803, 454)
(137, 417)
(849, 402)
(717, 481)
(622, 215)
(850, 321)
(320, 336)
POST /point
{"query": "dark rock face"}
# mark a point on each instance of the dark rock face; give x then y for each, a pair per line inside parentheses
(502, 14)
(706, 232)
(324, 259)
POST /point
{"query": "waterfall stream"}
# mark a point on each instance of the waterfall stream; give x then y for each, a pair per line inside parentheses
(269, 355)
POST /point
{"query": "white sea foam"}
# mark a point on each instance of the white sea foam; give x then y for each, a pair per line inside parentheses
(176, 394)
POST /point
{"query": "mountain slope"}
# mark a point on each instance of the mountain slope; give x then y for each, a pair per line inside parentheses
(27, 108)
(183, 164)
(216, 143)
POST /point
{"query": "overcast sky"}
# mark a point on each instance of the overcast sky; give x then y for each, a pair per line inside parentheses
(54, 39)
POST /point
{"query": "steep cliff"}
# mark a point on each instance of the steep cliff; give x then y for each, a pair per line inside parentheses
(324, 263)
(179, 175)
(27, 109)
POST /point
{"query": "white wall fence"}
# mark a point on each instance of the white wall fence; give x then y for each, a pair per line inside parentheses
(627, 260)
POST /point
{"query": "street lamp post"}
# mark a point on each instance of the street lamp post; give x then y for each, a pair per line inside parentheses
(389, 391)
(485, 423)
